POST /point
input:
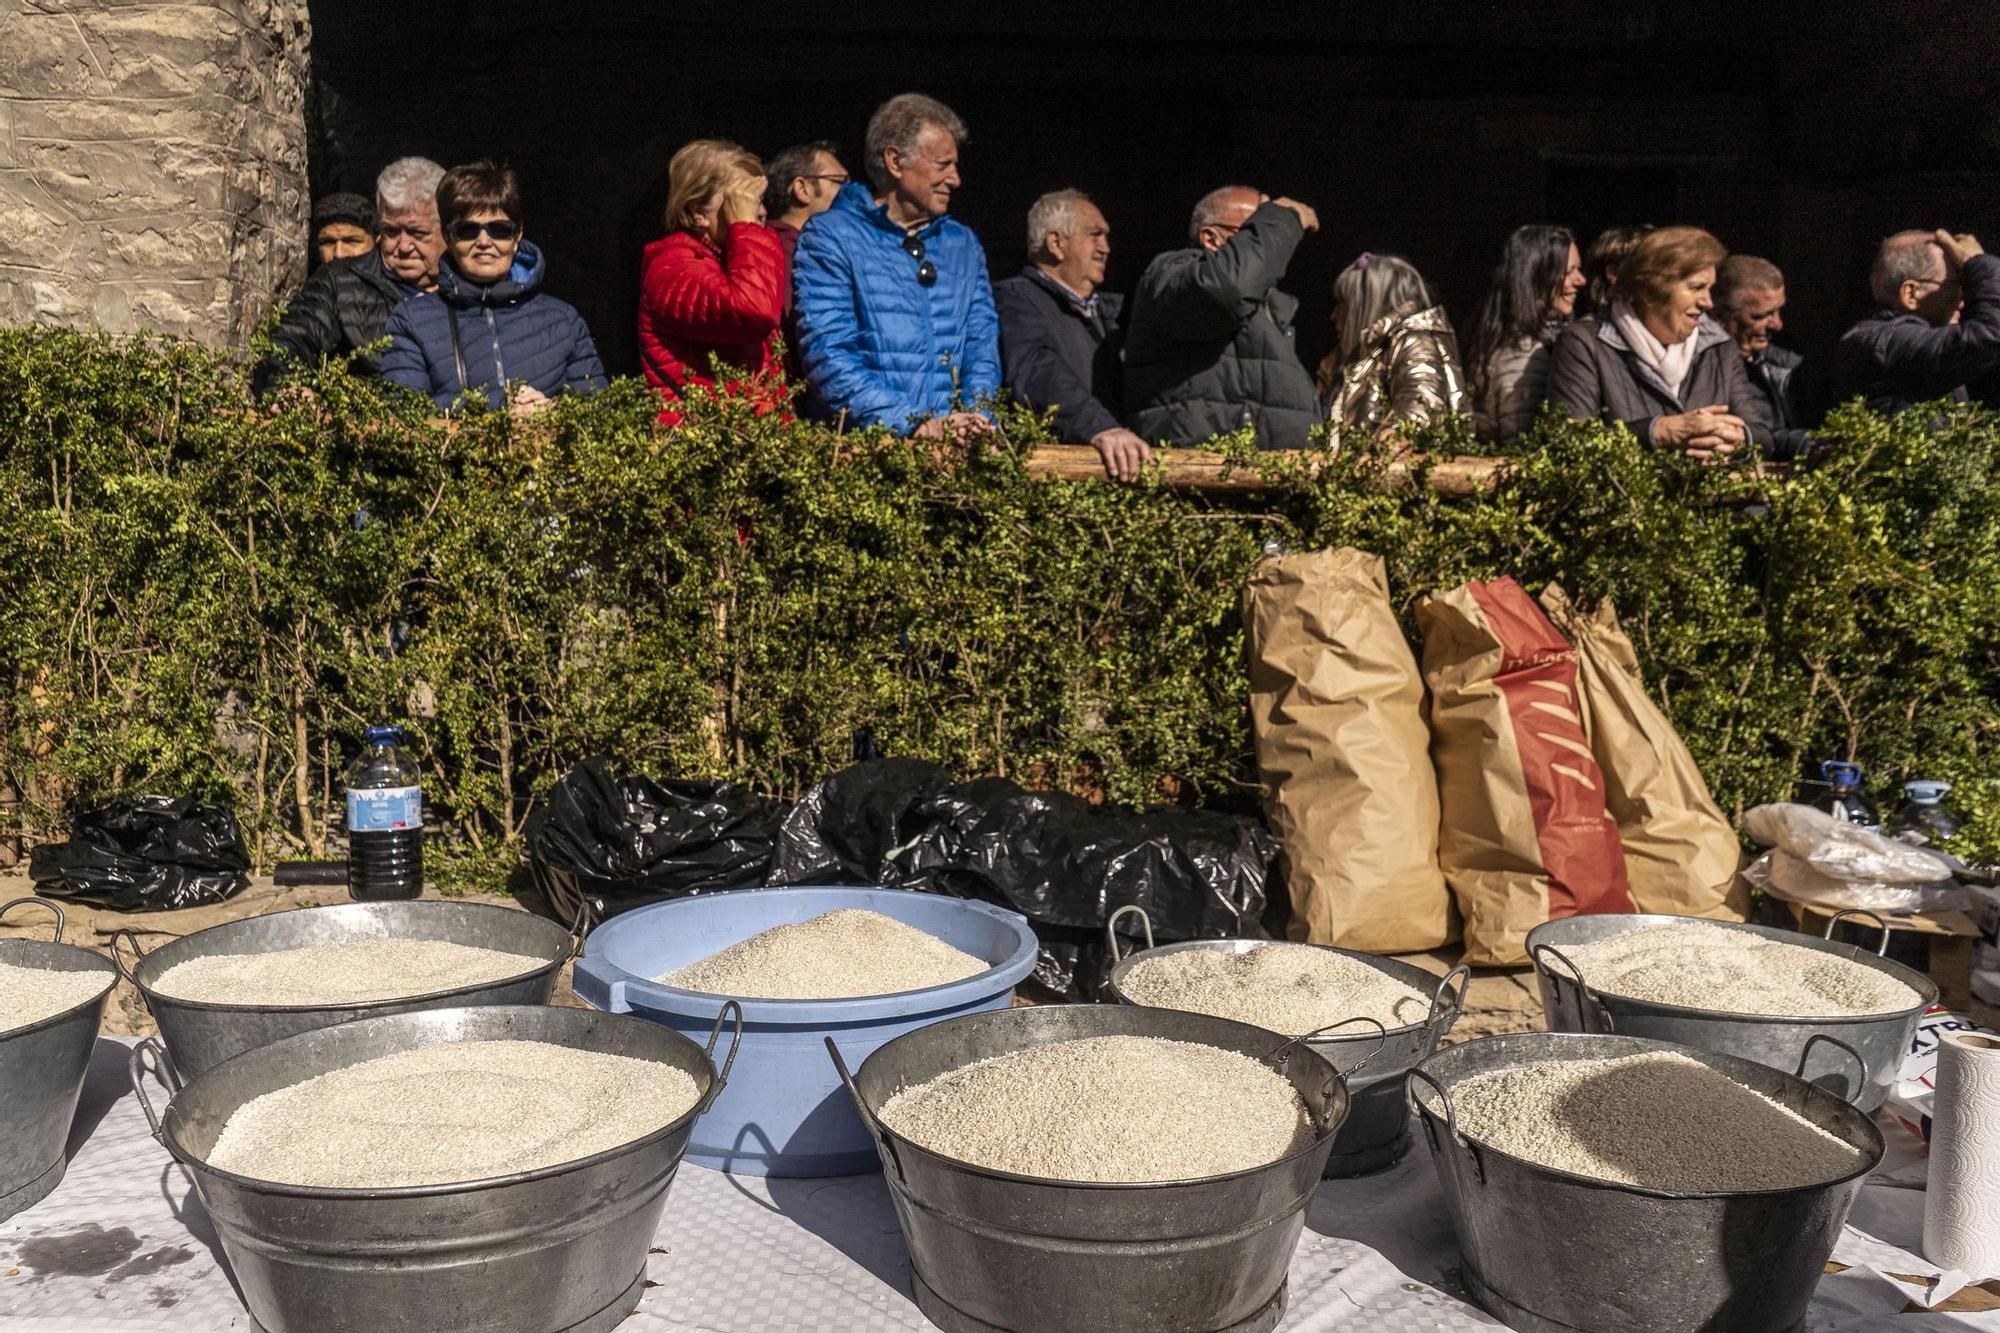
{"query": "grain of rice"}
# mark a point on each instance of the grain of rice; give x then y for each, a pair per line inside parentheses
(451, 1113)
(1288, 988)
(836, 955)
(355, 972)
(1708, 967)
(1657, 1120)
(1106, 1109)
(31, 994)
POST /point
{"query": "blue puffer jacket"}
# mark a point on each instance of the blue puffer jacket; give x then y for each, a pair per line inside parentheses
(510, 331)
(876, 344)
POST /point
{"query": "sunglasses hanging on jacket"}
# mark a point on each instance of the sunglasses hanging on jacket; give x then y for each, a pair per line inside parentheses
(926, 271)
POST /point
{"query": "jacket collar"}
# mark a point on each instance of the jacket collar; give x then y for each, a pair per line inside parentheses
(1431, 320)
(855, 198)
(1707, 334)
(1089, 307)
(523, 281)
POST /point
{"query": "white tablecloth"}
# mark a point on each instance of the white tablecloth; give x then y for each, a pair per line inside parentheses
(124, 1244)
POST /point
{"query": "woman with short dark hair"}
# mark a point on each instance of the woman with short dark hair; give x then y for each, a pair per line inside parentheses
(1655, 360)
(489, 324)
(1533, 295)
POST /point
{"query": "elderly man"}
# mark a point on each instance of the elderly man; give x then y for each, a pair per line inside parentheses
(1058, 343)
(1210, 346)
(1936, 327)
(345, 305)
(896, 319)
(1749, 296)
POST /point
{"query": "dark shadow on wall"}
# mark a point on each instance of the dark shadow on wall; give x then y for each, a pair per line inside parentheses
(1424, 127)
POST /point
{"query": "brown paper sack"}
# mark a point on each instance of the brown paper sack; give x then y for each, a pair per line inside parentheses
(1335, 701)
(1681, 855)
(1525, 836)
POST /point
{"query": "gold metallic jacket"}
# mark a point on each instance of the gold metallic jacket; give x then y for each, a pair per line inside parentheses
(1407, 372)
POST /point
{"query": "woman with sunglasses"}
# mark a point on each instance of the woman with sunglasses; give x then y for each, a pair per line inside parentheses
(712, 290)
(489, 329)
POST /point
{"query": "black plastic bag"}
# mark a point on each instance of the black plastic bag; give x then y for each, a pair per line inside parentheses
(152, 854)
(1058, 860)
(626, 842)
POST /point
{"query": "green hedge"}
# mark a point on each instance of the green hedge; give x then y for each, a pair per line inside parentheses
(206, 597)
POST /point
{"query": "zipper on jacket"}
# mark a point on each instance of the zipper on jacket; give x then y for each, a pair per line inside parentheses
(499, 366)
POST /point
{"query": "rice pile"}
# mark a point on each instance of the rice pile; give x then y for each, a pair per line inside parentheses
(837, 955)
(1288, 988)
(1106, 1109)
(1708, 967)
(351, 973)
(1658, 1121)
(451, 1113)
(30, 994)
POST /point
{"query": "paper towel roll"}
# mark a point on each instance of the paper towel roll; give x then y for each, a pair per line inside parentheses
(1962, 1200)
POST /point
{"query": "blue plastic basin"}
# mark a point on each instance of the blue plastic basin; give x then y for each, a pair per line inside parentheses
(784, 1112)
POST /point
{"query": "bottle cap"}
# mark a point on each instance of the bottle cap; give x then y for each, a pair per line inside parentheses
(383, 735)
(1925, 791)
(1841, 773)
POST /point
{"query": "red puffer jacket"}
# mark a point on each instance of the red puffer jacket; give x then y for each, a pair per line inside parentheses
(696, 300)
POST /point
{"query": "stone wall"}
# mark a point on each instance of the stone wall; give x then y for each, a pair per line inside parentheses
(152, 162)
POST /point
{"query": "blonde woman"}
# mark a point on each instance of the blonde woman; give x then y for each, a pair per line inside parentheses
(712, 290)
(1397, 362)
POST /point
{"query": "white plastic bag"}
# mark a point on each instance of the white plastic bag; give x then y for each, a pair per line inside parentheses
(1798, 880)
(1843, 850)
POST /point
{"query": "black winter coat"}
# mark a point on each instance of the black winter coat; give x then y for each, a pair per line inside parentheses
(1595, 374)
(1054, 355)
(345, 304)
(1895, 359)
(1210, 346)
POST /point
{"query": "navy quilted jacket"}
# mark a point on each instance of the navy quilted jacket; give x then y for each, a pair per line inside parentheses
(509, 332)
(877, 345)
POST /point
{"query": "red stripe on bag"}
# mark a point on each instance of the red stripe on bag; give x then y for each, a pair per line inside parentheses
(1578, 842)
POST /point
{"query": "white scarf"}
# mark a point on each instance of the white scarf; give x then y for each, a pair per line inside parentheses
(1671, 364)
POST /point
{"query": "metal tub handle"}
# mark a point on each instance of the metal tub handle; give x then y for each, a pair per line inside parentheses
(1444, 987)
(1381, 1040)
(1111, 930)
(37, 902)
(131, 937)
(714, 1036)
(875, 1128)
(1576, 977)
(137, 1068)
(1450, 1119)
(1837, 918)
(1805, 1054)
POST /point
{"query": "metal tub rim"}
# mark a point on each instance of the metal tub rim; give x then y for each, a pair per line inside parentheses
(1926, 989)
(165, 1125)
(137, 974)
(1322, 1133)
(1237, 945)
(1871, 1155)
(11, 1033)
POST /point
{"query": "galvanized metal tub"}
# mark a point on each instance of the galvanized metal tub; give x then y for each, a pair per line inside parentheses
(559, 1248)
(1376, 1132)
(993, 1252)
(1547, 1251)
(199, 1036)
(42, 1067)
(1854, 1058)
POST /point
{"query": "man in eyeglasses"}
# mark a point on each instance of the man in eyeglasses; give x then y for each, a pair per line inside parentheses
(1059, 331)
(1210, 347)
(895, 316)
(1937, 325)
(346, 303)
(800, 185)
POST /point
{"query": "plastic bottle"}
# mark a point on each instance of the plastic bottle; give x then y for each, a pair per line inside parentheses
(1846, 799)
(385, 820)
(1923, 818)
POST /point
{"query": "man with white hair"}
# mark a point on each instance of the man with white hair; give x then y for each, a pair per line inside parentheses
(1058, 329)
(1210, 347)
(345, 305)
(896, 320)
(1936, 326)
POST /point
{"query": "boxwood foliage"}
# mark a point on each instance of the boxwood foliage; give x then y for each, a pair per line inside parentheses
(211, 597)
